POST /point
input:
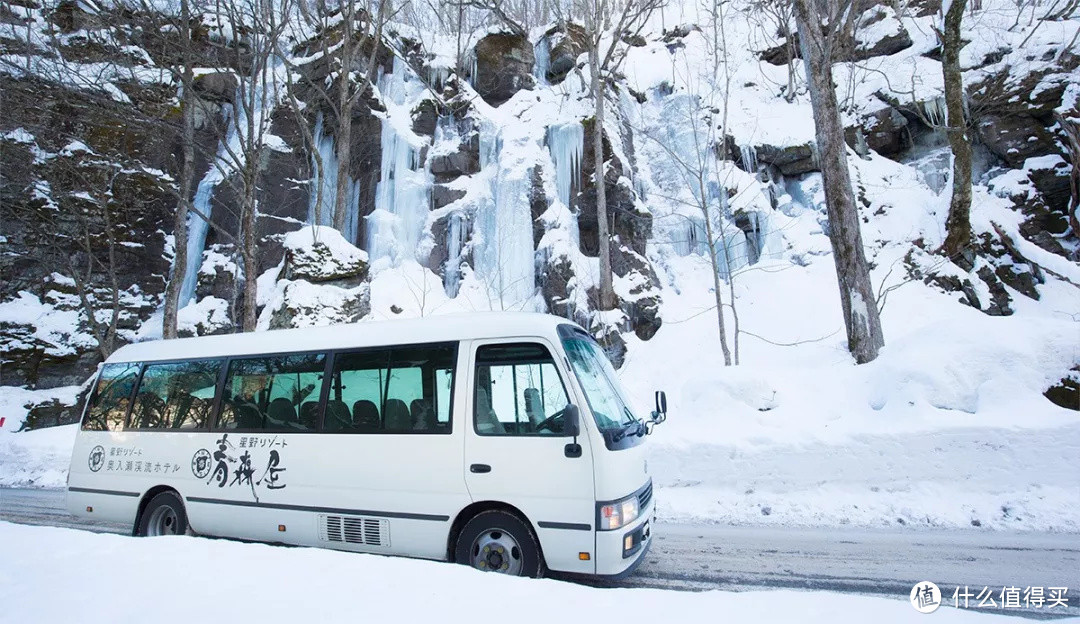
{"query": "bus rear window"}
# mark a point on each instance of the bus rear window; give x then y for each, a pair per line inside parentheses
(111, 398)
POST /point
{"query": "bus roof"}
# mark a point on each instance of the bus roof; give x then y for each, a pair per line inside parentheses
(441, 328)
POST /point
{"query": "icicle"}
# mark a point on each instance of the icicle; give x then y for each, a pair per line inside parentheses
(454, 243)
(566, 142)
(325, 145)
(749, 158)
(935, 111)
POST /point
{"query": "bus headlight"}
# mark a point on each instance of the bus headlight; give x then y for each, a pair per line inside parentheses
(619, 514)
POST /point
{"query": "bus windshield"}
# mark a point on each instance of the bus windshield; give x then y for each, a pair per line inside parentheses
(606, 400)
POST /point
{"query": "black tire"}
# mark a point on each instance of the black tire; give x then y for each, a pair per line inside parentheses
(164, 515)
(527, 560)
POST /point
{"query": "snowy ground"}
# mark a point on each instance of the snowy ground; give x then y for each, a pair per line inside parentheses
(299, 584)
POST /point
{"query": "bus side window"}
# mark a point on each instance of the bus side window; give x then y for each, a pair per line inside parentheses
(355, 403)
(397, 390)
(111, 398)
(518, 391)
(176, 395)
(270, 393)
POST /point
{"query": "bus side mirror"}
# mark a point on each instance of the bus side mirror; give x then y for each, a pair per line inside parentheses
(573, 421)
(660, 415)
(572, 427)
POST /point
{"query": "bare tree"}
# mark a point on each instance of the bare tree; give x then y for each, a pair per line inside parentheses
(778, 17)
(958, 224)
(258, 26)
(356, 26)
(823, 25)
(613, 20)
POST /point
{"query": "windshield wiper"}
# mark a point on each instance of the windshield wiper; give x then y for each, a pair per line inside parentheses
(634, 427)
(640, 429)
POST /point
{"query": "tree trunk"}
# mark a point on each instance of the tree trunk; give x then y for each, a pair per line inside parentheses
(711, 241)
(607, 292)
(251, 265)
(180, 233)
(853, 277)
(343, 136)
(958, 224)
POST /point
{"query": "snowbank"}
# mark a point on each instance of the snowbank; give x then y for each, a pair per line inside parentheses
(37, 458)
(302, 585)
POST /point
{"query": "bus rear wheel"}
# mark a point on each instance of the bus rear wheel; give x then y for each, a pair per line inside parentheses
(164, 515)
(498, 541)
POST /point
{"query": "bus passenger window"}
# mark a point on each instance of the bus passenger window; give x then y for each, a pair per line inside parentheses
(397, 390)
(270, 393)
(177, 395)
(111, 398)
(518, 391)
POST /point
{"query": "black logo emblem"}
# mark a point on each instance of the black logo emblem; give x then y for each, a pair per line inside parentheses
(200, 463)
(97, 458)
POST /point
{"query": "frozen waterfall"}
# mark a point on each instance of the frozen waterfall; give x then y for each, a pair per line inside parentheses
(503, 234)
(231, 156)
(328, 154)
(198, 226)
(542, 62)
(402, 197)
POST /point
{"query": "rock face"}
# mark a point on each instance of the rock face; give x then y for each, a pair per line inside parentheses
(878, 32)
(565, 44)
(1014, 138)
(791, 160)
(504, 65)
(885, 131)
(73, 163)
(630, 227)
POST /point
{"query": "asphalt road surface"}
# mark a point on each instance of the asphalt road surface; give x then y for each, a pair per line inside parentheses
(862, 561)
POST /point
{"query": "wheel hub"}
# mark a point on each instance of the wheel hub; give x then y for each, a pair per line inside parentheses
(496, 550)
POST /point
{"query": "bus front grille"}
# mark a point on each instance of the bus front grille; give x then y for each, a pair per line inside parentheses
(354, 530)
(644, 496)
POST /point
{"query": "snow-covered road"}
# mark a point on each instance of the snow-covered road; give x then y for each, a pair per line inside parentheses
(696, 557)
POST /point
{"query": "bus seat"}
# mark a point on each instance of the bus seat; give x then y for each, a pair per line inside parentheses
(397, 416)
(309, 414)
(423, 418)
(337, 415)
(281, 411)
(248, 416)
(486, 421)
(365, 415)
(533, 408)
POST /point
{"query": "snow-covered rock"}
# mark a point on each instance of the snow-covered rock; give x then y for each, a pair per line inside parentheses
(321, 254)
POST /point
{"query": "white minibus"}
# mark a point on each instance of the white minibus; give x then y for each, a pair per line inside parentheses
(502, 441)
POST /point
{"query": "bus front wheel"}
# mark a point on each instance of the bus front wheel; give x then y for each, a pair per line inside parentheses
(498, 541)
(164, 515)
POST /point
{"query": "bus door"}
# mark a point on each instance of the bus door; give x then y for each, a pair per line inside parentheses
(519, 451)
